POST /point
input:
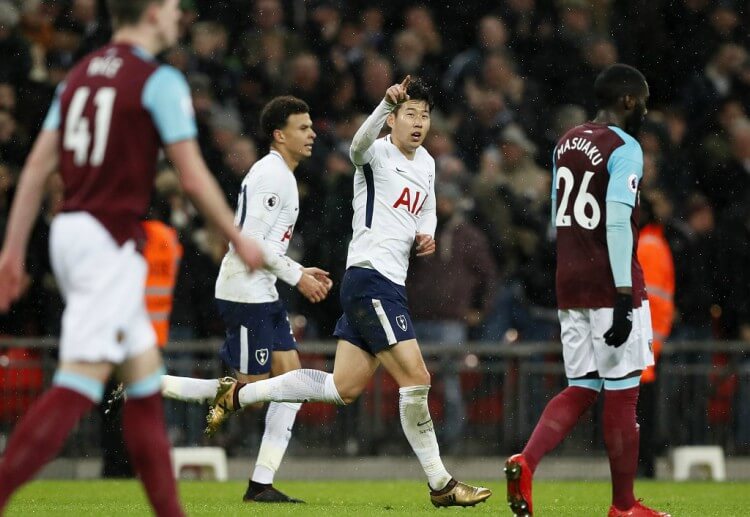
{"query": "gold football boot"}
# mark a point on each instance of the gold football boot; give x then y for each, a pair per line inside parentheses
(224, 403)
(457, 493)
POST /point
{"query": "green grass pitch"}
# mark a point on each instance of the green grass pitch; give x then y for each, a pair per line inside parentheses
(363, 498)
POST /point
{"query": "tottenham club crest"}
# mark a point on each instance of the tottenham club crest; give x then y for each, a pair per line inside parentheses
(270, 201)
(261, 356)
(401, 321)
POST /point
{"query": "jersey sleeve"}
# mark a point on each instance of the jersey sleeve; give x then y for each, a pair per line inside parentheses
(166, 96)
(259, 208)
(625, 168)
(52, 120)
(428, 217)
(260, 205)
(361, 150)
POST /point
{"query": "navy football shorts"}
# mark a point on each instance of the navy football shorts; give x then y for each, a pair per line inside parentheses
(253, 332)
(376, 314)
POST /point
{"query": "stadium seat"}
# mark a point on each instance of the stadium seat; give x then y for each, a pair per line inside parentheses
(683, 458)
(213, 457)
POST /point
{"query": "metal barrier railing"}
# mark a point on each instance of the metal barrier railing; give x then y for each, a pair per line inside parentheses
(703, 396)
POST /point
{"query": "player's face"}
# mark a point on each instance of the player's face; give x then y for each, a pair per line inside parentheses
(634, 121)
(167, 22)
(299, 135)
(410, 124)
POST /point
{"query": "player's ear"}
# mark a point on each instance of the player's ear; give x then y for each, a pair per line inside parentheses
(629, 102)
(279, 136)
(391, 120)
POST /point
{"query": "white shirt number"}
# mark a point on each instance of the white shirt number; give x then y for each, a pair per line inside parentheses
(77, 136)
(583, 200)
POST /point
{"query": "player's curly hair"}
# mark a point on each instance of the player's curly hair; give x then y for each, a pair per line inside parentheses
(275, 114)
(419, 91)
(128, 12)
(616, 81)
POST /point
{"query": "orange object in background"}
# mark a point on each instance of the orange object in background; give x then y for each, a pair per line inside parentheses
(163, 252)
(658, 273)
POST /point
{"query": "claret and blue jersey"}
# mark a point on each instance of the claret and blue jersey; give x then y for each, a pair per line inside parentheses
(115, 110)
(593, 164)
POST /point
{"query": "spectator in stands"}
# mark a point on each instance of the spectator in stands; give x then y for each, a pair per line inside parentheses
(718, 80)
(376, 76)
(522, 96)
(730, 183)
(306, 81)
(74, 25)
(210, 45)
(598, 54)
(564, 118)
(409, 57)
(240, 155)
(13, 143)
(492, 36)
(268, 25)
(449, 308)
(16, 62)
(420, 19)
(488, 114)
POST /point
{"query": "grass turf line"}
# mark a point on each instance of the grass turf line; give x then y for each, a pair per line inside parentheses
(363, 498)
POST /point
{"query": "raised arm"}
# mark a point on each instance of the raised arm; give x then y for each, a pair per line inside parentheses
(366, 135)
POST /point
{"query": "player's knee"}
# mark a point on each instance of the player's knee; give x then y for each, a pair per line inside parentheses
(421, 376)
(348, 394)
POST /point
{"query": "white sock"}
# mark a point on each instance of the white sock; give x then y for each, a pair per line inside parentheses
(417, 425)
(295, 386)
(188, 389)
(279, 422)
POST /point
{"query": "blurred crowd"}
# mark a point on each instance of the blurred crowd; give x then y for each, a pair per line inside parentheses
(509, 78)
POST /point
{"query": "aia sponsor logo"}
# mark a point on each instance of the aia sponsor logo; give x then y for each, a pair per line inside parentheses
(413, 202)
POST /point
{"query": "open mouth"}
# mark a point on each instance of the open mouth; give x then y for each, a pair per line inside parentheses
(416, 135)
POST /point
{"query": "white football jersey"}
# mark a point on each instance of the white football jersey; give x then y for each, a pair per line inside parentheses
(267, 211)
(394, 199)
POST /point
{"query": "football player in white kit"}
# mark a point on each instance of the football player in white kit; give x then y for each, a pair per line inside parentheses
(394, 208)
(259, 340)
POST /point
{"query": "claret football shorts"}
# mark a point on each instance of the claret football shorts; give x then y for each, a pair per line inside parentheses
(103, 285)
(584, 350)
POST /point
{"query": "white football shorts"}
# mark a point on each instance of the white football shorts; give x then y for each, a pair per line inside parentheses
(584, 350)
(103, 285)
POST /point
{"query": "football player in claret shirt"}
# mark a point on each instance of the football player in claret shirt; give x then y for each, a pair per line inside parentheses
(394, 209)
(602, 304)
(110, 117)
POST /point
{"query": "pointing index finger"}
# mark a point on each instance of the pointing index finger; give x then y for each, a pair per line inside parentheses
(405, 82)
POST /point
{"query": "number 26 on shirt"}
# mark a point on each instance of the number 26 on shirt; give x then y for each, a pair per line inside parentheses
(586, 211)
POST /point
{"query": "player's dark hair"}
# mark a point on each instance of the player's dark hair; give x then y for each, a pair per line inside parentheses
(275, 114)
(128, 12)
(616, 81)
(418, 91)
